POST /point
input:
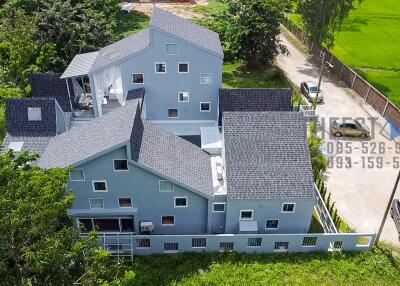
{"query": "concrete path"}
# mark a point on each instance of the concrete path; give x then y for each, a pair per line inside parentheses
(363, 173)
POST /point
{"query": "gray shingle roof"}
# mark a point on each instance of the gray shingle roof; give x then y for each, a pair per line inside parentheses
(186, 30)
(17, 117)
(121, 49)
(31, 144)
(254, 99)
(267, 155)
(96, 136)
(80, 65)
(172, 156)
(49, 85)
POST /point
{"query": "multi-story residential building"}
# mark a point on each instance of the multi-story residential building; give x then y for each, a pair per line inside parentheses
(156, 145)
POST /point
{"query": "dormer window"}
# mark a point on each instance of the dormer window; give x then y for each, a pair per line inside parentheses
(171, 49)
(15, 146)
(34, 114)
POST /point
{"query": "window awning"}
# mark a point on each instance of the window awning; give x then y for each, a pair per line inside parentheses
(248, 226)
(80, 65)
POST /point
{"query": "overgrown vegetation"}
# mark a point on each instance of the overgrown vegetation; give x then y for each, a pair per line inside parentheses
(39, 244)
(377, 267)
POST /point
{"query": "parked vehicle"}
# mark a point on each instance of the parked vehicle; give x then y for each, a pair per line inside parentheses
(351, 128)
(395, 214)
(309, 89)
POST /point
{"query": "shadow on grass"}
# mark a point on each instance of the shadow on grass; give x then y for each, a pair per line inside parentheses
(130, 23)
(167, 269)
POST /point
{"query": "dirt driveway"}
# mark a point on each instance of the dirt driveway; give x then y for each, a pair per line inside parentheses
(363, 173)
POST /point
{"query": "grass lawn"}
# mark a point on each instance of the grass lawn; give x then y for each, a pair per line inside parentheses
(377, 267)
(3, 129)
(369, 41)
(130, 23)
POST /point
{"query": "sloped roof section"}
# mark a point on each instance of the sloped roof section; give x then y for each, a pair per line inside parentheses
(121, 49)
(96, 136)
(186, 30)
(267, 156)
(80, 65)
(31, 144)
(173, 157)
(254, 99)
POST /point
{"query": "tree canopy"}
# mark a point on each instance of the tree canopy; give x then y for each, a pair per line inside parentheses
(249, 30)
(322, 18)
(38, 243)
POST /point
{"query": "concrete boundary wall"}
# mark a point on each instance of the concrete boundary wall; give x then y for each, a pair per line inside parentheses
(364, 89)
(131, 244)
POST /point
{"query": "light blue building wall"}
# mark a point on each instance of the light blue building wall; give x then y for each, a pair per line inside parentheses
(296, 222)
(162, 88)
(149, 204)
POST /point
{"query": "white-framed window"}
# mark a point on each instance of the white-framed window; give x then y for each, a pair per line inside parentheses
(138, 78)
(96, 203)
(121, 165)
(168, 220)
(125, 202)
(143, 243)
(99, 186)
(160, 67)
(246, 214)
(288, 207)
(180, 202)
(173, 113)
(171, 49)
(171, 247)
(77, 175)
(254, 242)
(205, 78)
(34, 114)
(183, 67)
(199, 242)
(183, 96)
(272, 224)
(165, 186)
(218, 207)
(205, 106)
(309, 241)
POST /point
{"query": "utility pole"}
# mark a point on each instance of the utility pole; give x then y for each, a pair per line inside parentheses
(321, 70)
(387, 209)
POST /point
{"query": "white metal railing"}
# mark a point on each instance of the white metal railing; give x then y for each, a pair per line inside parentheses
(323, 214)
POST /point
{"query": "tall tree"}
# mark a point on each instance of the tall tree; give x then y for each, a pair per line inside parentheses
(249, 30)
(38, 243)
(322, 18)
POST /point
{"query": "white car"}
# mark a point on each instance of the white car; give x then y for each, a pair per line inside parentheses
(309, 89)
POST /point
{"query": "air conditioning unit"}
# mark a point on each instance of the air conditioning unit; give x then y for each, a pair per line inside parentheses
(219, 173)
(146, 226)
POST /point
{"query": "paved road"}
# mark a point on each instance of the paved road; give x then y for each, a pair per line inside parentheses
(361, 191)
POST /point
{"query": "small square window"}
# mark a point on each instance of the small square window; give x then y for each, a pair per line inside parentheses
(246, 214)
(99, 186)
(96, 203)
(125, 202)
(205, 106)
(143, 243)
(183, 96)
(34, 114)
(180, 202)
(288, 207)
(161, 67)
(205, 78)
(309, 241)
(77, 175)
(166, 186)
(199, 242)
(171, 49)
(183, 68)
(281, 246)
(271, 224)
(254, 241)
(168, 220)
(218, 207)
(173, 113)
(138, 78)
(120, 165)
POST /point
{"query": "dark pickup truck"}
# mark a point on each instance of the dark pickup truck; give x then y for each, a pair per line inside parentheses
(395, 214)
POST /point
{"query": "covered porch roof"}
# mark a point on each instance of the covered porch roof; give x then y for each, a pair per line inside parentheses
(80, 65)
